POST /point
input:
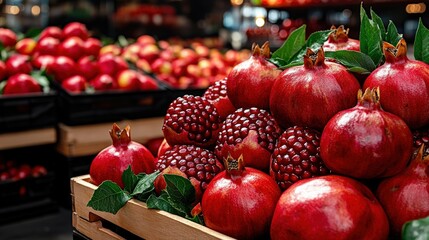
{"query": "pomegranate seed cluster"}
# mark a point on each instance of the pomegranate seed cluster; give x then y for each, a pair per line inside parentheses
(297, 156)
(237, 126)
(420, 137)
(194, 114)
(194, 161)
(217, 90)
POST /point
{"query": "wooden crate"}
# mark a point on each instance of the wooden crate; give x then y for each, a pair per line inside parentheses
(134, 217)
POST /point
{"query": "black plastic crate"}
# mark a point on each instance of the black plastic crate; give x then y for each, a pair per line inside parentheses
(109, 106)
(29, 111)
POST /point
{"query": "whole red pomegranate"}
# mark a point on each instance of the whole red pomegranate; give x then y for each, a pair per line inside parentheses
(365, 141)
(112, 161)
(250, 132)
(310, 94)
(240, 201)
(254, 76)
(339, 40)
(21, 83)
(191, 120)
(405, 196)
(329, 207)
(404, 84)
(296, 156)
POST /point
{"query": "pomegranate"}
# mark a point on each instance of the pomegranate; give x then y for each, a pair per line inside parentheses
(191, 120)
(297, 156)
(240, 201)
(404, 84)
(21, 83)
(365, 141)
(309, 95)
(405, 196)
(331, 207)
(251, 132)
(112, 161)
(339, 40)
(217, 95)
(254, 74)
(198, 164)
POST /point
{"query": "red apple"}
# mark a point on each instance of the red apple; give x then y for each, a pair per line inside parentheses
(161, 66)
(63, 67)
(147, 82)
(7, 37)
(92, 47)
(111, 49)
(179, 67)
(3, 70)
(39, 171)
(48, 46)
(189, 55)
(51, 31)
(144, 65)
(103, 82)
(24, 171)
(149, 52)
(128, 80)
(331, 206)
(25, 46)
(146, 39)
(75, 29)
(42, 61)
(88, 67)
(72, 47)
(21, 83)
(4, 176)
(111, 64)
(75, 84)
(18, 63)
(202, 51)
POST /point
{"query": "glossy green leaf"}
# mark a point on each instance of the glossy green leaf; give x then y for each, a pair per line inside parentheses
(129, 179)
(291, 45)
(354, 61)
(164, 203)
(180, 188)
(2, 85)
(145, 183)
(379, 22)
(416, 229)
(392, 35)
(421, 46)
(108, 197)
(370, 38)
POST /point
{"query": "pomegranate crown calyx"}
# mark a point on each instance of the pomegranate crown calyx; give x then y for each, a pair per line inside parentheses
(420, 162)
(339, 34)
(312, 59)
(120, 137)
(392, 53)
(233, 165)
(369, 98)
(263, 51)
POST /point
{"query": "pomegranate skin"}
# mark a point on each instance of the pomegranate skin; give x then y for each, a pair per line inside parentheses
(405, 196)
(240, 203)
(404, 85)
(249, 82)
(329, 207)
(112, 161)
(365, 141)
(310, 94)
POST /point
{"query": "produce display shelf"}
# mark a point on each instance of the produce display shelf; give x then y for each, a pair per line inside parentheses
(134, 218)
(27, 138)
(89, 139)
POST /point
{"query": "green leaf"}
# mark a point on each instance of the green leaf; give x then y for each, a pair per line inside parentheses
(421, 46)
(108, 197)
(180, 188)
(416, 229)
(163, 203)
(379, 22)
(354, 61)
(370, 39)
(123, 41)
(130, 179)
(198, 219)
(392, 35)
(42, 79)
(145, 183)
(291, 46)
(2, 85)
(33, 33)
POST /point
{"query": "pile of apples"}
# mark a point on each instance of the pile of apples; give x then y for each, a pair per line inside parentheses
(12, 170)
(80, 62)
